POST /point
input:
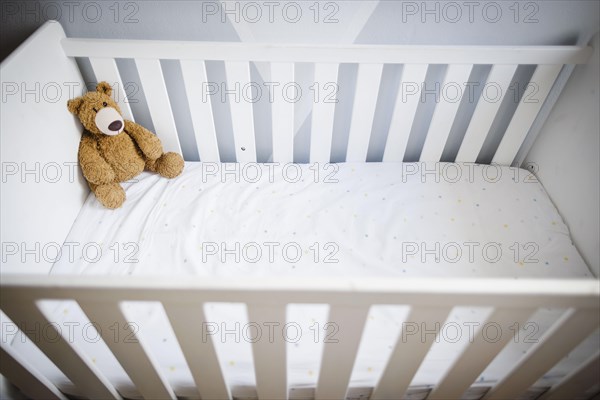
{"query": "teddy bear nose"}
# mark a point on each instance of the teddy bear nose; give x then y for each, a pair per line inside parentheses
(115, 125)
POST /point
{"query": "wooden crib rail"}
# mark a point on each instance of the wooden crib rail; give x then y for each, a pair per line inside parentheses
(327, 61)
(580, 293)
(349, 300)
(323, 53)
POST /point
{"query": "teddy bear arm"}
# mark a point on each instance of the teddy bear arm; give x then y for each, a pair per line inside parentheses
(148, 142)
(95, 168)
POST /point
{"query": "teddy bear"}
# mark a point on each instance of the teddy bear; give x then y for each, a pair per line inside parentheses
(114, 150)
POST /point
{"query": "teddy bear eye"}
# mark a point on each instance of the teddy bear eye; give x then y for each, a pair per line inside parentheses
(105, 104)
(94, 108)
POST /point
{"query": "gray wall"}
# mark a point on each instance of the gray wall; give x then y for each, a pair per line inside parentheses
(568, 143)
(531, 22)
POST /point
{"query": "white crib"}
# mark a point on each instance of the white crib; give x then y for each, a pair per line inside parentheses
(40, 130)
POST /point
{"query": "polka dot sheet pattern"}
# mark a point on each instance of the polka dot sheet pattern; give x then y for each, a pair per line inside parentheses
(367, 219)
(374, 219)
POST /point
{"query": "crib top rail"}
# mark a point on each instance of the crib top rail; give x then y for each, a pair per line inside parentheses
(359, 53)
(524, 293)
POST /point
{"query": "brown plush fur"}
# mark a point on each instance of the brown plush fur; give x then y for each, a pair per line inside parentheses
(107, 160)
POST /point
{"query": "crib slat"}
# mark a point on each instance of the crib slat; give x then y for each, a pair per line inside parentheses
(479, 353)
(283, 112)
(269, 350)
(340, 349)
(410, 350)
(33, 384)
(106, 69)
(127, 349)
(577, 382)
(529, 106)
(153, 82)
(76, 366)
(555, 344)
(485, 112)
(363, 111)
(196, 89)
(451, 92)
(407, 101)
(197, 346)
(242, 117)
(326, 77)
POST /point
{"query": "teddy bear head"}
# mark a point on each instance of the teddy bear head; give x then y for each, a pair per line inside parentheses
(98, 112)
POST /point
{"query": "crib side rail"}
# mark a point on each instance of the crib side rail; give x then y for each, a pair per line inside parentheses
(368, 98)
(349, 300)
(580, 293)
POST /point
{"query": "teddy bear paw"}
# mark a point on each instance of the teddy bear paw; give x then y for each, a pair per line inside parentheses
(169, 165)
(97, 172)
(110, 195)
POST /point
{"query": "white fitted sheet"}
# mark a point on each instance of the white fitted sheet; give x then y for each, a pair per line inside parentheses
(372, 213)
(375, 219)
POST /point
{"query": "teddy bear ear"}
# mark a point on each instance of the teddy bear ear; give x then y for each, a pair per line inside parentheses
(104, 87)
(74, 104)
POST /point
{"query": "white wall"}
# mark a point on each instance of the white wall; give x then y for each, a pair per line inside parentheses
(567, 154)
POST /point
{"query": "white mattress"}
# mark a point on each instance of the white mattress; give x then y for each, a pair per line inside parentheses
(368, 219)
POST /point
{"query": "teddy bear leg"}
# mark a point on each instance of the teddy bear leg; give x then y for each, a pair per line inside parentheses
(111, 195)
(168, 165)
